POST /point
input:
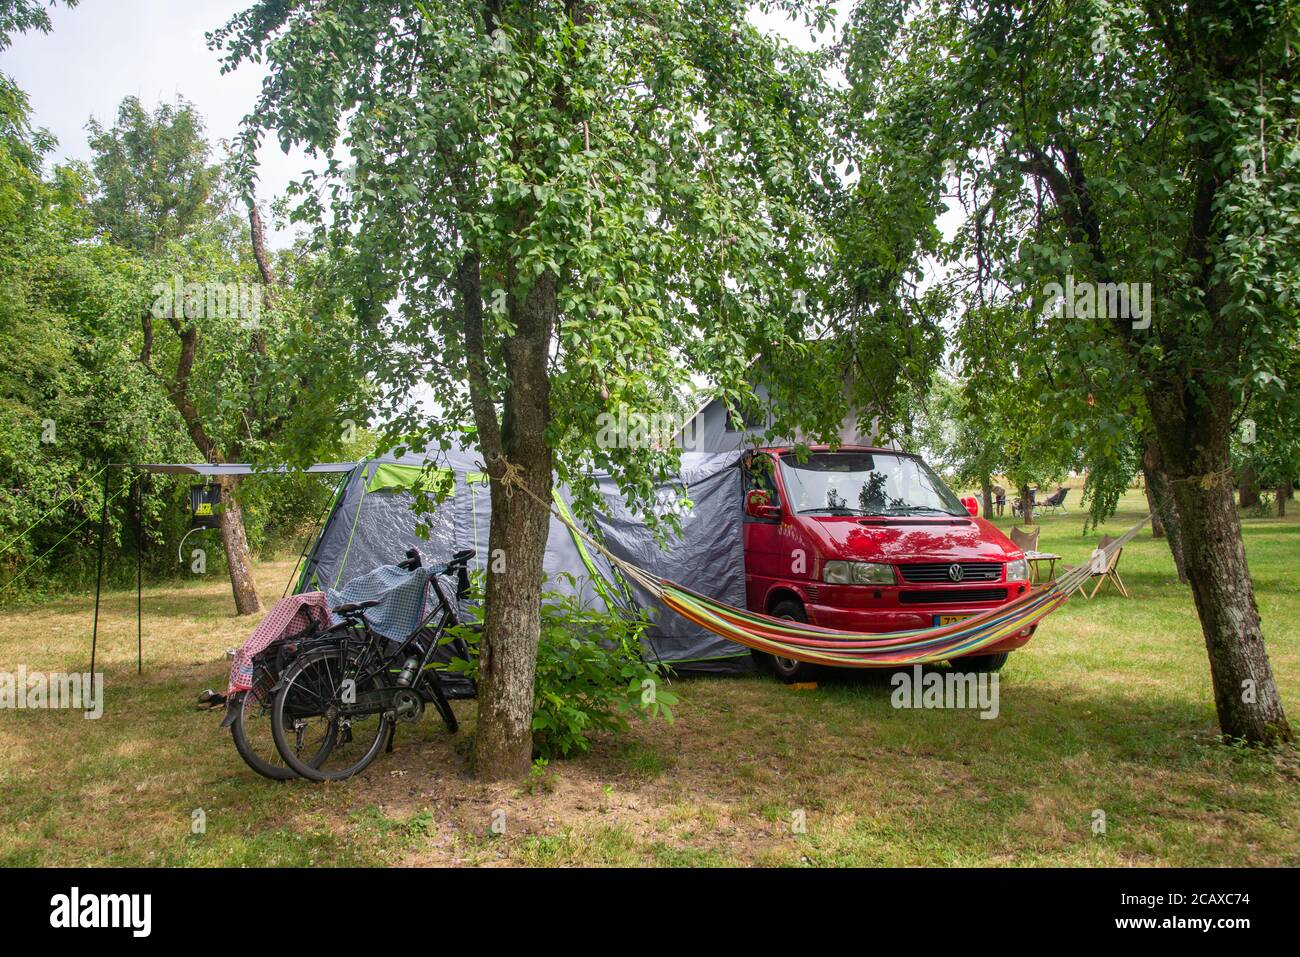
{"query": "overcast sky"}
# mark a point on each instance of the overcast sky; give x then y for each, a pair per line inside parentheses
(105, 50)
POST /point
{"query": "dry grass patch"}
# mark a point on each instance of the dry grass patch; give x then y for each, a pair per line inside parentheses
(1108, 709)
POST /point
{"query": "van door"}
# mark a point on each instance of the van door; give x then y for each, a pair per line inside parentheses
(767, 548)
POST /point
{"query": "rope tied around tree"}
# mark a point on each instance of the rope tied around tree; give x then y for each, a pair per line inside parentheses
(1207, 481)
(511, 475)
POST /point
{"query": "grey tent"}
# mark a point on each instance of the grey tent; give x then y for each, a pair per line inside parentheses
(372, 522)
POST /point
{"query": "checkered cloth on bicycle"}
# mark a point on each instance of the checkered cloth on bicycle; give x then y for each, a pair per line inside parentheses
(290, 616)
(401, 596)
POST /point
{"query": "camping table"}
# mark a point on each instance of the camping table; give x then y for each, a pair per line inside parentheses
(1035, 557)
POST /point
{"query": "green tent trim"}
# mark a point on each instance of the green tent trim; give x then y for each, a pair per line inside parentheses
(389, 477)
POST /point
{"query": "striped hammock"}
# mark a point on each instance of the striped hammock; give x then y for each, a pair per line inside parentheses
(854, 649)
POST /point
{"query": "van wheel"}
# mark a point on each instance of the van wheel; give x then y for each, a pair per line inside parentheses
(980, 662)
(788, 670)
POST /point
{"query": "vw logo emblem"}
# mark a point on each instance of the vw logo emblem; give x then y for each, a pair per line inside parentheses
(955, 572)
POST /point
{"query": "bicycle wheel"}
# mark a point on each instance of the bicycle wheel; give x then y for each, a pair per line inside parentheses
(251, 730)
(319, 734)
(255, 741)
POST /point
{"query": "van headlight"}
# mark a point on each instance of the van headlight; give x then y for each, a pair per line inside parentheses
(858, 573)
(1018, 570)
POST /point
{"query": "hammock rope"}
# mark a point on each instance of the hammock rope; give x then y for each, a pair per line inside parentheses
(829, 646)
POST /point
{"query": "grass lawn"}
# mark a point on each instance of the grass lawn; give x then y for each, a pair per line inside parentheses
(1108, 709)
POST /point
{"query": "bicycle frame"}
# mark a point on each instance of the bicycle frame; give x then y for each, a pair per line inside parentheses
(372, 662)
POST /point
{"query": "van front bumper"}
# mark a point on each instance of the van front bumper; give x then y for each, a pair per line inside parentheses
(880, 620)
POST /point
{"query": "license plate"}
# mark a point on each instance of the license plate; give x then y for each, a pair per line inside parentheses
(941, 620)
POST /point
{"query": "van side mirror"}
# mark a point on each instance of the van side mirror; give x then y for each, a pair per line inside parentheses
(972, 504)
(758, 504)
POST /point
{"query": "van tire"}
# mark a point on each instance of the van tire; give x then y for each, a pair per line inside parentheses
(787, 670)
(980, 663)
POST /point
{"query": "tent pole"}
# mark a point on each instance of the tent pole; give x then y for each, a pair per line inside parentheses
(139, 574)
(99, 574)
(311, 539)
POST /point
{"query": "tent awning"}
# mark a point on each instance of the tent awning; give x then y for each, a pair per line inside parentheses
(233, 468)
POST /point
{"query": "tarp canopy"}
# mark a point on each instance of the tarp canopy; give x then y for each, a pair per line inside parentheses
(372, 522)
(232, 468)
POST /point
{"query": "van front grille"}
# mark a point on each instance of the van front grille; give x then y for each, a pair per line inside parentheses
(924, 573)
(951, 596)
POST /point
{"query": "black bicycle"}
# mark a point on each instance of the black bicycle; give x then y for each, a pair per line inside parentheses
(342, 698)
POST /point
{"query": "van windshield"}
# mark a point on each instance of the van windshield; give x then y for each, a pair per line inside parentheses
(865, 483)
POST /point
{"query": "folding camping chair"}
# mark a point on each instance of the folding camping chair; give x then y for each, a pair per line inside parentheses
(1025, 539)
(1055, 500)
(1109, 573)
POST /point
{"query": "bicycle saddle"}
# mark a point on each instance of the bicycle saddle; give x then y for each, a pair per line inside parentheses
(356, 606)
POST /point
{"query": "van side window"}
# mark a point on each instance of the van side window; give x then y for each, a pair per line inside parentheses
(758, 479)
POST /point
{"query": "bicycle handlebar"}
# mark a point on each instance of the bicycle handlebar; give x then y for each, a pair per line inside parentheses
(458, 560)
(458, 566)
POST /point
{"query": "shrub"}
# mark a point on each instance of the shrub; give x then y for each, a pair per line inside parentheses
(591, 677)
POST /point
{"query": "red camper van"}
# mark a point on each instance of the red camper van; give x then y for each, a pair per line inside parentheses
(867, 539)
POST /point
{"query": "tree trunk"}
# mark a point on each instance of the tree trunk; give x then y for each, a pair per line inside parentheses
(1026, 505)
(503, 741)
(235, 543)
(986, 487)
(1164, 509)
(1193, 430)
(1283, 493)
(1248, 490)
(1157, 523)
